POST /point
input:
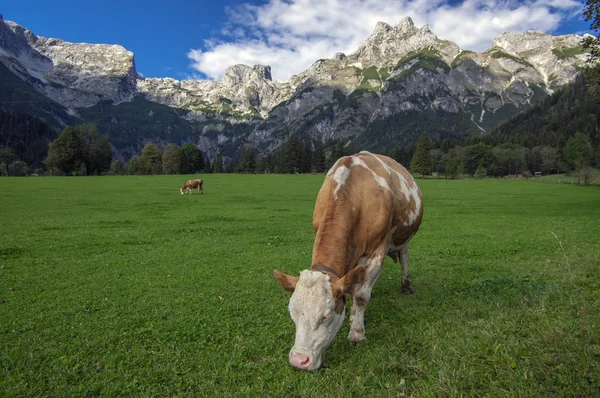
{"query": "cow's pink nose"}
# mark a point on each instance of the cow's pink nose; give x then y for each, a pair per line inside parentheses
(300, 361)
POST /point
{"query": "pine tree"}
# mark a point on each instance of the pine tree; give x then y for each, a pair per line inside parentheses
(218, 163)
(27, 137)
(276, 161)
(150, 159)
(261, 165)
(306, 155)
(207, 165)
(171, 159)
(247, 163)
(319, 156)
(337, 151)
(421, 161)
(191, 159)
(134, 165)
(292, 151)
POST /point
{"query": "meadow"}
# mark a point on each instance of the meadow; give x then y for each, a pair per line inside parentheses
(120, 286)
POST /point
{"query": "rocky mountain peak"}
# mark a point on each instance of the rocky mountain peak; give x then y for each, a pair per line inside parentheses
(388, 44)
(241, 75)
(72, 74)
(406, 24)
(518, 43)
(555, 57)
(381, 29)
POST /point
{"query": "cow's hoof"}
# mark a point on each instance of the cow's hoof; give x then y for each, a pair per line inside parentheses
(356, 337)
(406, 290)
(407, 287)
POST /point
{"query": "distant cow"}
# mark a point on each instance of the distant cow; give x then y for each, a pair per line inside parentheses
(191, 184)
(368, 206)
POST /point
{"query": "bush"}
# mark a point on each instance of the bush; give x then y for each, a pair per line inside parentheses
(117, 168)
(586, 175)
(481, 172)
(18, 169)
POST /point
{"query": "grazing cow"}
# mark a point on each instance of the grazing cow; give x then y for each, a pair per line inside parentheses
(191, 184)
(368, 206)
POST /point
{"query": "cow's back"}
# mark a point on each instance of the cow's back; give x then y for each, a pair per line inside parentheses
(408, 202)
(373, 196)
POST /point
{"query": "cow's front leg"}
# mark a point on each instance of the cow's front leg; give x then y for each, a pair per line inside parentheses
(361, 297)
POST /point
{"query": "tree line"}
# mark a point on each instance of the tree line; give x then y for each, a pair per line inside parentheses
(294, 157)
(82, 150)
(507, 159)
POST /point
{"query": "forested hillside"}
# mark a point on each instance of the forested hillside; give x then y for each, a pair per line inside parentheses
(561, 134)
(575, 109)
(24, 138)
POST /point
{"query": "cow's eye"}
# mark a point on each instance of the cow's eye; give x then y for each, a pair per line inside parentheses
(326, 315)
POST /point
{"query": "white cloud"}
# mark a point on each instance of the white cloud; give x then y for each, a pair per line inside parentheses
(289, 35)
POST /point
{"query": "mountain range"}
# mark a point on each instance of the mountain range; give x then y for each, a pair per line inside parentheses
(401, 82)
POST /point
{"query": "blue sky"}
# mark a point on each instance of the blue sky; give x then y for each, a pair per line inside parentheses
(199, 39)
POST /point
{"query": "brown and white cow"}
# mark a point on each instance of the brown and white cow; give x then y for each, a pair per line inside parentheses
(191, 184)
(368, 206)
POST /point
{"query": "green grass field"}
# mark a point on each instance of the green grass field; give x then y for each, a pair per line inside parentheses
(120, 286)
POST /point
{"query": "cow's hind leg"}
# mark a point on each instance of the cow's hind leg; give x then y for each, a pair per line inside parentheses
(361, 297)
(404, 259)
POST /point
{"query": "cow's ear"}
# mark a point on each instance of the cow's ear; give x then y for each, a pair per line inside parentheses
(355, 276)
(287, 282)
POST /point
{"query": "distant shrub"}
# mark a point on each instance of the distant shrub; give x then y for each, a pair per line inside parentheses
(18, 169)
(481, 172)
(586, 176)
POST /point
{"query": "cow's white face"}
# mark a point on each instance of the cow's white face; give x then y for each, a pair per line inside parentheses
(317, 308)
(318, 316)
(181, 190)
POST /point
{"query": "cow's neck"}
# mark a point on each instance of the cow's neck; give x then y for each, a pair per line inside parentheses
(333, 246)
(325, 269)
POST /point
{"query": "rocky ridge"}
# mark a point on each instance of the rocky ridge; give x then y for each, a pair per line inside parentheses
(398, 70)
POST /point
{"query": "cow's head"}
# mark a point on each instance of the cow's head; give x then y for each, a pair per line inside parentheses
(181, 190)
(317, 308)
